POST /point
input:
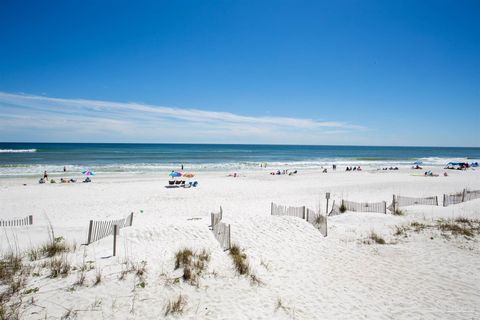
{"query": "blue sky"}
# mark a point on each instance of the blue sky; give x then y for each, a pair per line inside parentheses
(301, 72)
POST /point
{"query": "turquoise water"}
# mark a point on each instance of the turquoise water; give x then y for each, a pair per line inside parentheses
(31, 158)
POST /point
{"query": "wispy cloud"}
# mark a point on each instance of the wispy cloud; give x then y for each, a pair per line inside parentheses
(79, 119)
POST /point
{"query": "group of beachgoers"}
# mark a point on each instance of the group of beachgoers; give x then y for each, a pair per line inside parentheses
(353, 169)
(283, 172)
(178, 183)
(389, 168)
(44, 179)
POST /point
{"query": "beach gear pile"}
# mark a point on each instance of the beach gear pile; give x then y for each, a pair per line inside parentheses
(177, 183)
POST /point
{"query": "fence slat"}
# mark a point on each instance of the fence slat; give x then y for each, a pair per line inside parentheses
(100, 229)
(17, 222)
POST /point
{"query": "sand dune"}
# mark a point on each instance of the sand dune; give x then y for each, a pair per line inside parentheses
(301, 274)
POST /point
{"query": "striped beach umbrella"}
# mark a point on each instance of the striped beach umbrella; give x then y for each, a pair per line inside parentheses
(88, 173)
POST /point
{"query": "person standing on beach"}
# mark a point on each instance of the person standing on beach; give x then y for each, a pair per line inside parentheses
(45, 175)
(182, 167)
(64, 169)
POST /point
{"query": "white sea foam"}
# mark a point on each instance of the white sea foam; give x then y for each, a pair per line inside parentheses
(114, 168)
(17, 150)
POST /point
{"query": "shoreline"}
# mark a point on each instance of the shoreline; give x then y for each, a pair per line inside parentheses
(292, 260)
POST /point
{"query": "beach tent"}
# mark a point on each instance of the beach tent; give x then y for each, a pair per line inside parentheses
(456, 165)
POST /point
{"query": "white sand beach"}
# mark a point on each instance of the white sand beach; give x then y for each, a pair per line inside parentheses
(423, 274)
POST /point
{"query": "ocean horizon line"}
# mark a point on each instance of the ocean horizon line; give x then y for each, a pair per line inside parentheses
(241, 144)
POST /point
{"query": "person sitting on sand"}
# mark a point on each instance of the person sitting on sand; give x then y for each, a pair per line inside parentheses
(73, 180)
(63, 180)
(87, 180)
(41, 181)
(324, 170)
(445, 174)
(53, 181)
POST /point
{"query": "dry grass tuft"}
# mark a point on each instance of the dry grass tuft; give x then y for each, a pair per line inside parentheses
(469, 228)
(98, 278)
(239, 260)
(193, 264)
(418, 226)
(401, 231)
(398, 212)
(375, 238)
(460, 227)
(10, 264)
(176, 307)
(59, 267)
(54, 247)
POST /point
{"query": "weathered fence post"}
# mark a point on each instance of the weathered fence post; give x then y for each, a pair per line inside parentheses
(271, 208)
(229, 240)
(304, 212)
(384, 207)
(30, 220)
(463, 195)
(115, 230)
(436, 200)
(326, 225)
(90, 226)
(327, 195)
(444, 200)
(131, 219)
(394, 205)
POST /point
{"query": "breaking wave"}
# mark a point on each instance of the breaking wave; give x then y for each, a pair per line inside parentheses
(17, 150)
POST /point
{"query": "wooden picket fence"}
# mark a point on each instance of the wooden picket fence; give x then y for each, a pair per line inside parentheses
(17, 222)
(358, 207)
(221, 231)
(215, 218)
(318, 220)
(459, 197)
(100, 229)
(402, 201)
(279, 210)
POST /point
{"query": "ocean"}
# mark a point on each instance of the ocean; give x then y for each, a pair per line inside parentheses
(24, 159)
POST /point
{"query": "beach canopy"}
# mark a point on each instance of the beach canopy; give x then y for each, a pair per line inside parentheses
(88, 173)
(457, 164)
(188, 175)
(175, 174)
(418, 162)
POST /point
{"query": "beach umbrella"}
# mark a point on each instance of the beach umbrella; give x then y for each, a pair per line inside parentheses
(88, 173)
(175, 174)
(188, 175)
(418, 162)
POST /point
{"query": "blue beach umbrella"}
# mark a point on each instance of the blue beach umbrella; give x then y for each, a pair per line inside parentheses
(175, 174)
(418, 162)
